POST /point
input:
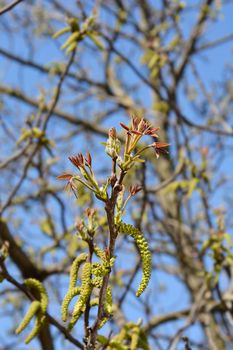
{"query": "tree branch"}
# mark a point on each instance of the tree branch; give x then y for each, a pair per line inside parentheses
(9, 6)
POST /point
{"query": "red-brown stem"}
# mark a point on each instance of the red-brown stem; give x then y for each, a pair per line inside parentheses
(87, 310)
(113, 175)
(110, 210)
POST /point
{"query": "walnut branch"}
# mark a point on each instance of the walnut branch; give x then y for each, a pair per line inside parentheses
(110, 210)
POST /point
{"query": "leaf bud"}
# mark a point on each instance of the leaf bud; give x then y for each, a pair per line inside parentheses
(113, 144)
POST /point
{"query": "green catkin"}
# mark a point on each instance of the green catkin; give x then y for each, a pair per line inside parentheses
(94, 302)
(144, 253)
(37, 285)
(97, 269)
(95, 40)
(61, 32)
(102, 339)
(113, 344)
(103, 268)
(142, 341)
(97, 282)
(39, 323)
(100, 253)
(134, 338)
(116, 346)
(85, 293)
(72, 290)
(33, 309)
(108, 303)
(72, 39)
(71, 48)
(66, 301)
(102, 323)
(107, 307)
(120, 337)
(37, 308)
(75, 268)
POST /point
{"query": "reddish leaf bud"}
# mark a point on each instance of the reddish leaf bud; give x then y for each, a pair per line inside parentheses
(77, 160)
(135, 189)
(88, 160)
(160, 147)
(112, 133)
(90, 212)
(65, 177)
(124, 126)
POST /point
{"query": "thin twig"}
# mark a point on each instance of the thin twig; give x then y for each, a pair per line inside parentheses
(9, 6)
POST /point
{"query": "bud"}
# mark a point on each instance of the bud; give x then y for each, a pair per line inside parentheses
(90, 212)
(4, 251)
(160, 148)
(113, 145)
(204, 151)
(88, 160)
(67, 177)
(112, 133)
(107, 253)
(79, 225)
(119, 206)
(77, 160)
(135, 189)
(120, 198)
(124, 126)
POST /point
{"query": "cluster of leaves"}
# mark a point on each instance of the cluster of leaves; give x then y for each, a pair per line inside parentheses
(78, 33)
(197, 176)
(219, 248)
(35, 134)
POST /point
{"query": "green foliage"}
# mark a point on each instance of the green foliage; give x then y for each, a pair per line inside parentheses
(188, 186)
(38, 135)
(79, 33)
